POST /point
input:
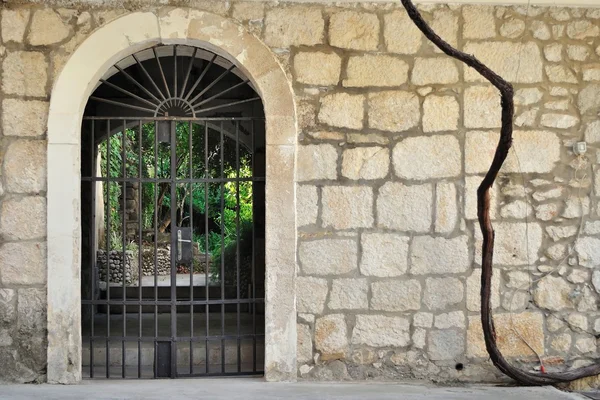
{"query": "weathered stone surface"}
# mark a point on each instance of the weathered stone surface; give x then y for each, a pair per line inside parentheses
(423, 319)
(25, 166)
(582, 29)
(578, 53)
(559, 121)
(445, 24)
(561, 343)
(349, 294)
(23, 263)
(454, 319)
(561, 232)
(393, 111)
(446, 209)
(317, 68)
(381, 331)
(400, 33)
(440, 113)
(405, 208)
(437, 255)
(427, 157)
(588, 251)
(354, 30)
(248, 10)
(511, 246)
(347, 207)
(517, 209)
(588, 99)
(396, 295)
(8, 305)
(537, 151)
(591, 73)
(482, 107)
(553, 52)
(384, 254)
(331, 336)
(474, 291)
(578, 322)
(366, 163)
(507, 59)
(560, 74)
(479, 22)
(307, 207)
(24, 218)
(310, 294)
(442, 292)
(305, 346)
(592, 133)
(317, 161)
(13, 24)
(342, 110)
(31, 310)
(24, 73)
(586, 345)
(529, 325)
(527, 96)
(328, 256)
(552, 293)
(447, 344)
(47, 27)
(438, 70)
(391, 71)
(24, 117)
(294, 26)
(512, 28)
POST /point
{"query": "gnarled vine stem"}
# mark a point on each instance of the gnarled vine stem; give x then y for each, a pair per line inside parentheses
(483, 213)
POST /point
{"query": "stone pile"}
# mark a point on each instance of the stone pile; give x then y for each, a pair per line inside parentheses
(163, 261)
(114, 265)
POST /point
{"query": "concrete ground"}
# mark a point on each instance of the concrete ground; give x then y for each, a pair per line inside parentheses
(245, 389)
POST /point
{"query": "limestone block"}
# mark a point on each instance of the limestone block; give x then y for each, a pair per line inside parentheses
(31, 310)
(25, 166)
(400, 33)
(445, 24)
(507, 59)
(305, 346)
(8, 305)
(316, 161)
(440, 113)
(347, 207)
(470, 197)
(578, 53)
(23, 218)
(559, 121)
(331, 336)
(474, 290)
(482, 107)
(248, 10)
(588, 251)
(427, 157)
(560, 74)
(553, 52)
(454, 319)
(527, 96)
(536, 151)
(366, 163)
(396, 295)
(354, 30)
(446, 209)
(540, 30)
(423, 319)
(553, 293)
(586, 345)
(307, 207)
(310, 294)
(393, 111)
(438, 255)
(328, 256)
(375, 70)
(431, 71)
(24, 73)
(47, 27)
(342, 110)
(317, 68)
(529, 325)
(510, 247)
(441, 293)
(578, 322)
(447, 344)
(349, 294)
(14, 23)
(294, 26)
(561, 343)
(588, 99)
(479, 22)
(405, 208)
(512, 28)
(381, 331)
(23, 263)
(24, 117)
(582, 29)
(384, 254)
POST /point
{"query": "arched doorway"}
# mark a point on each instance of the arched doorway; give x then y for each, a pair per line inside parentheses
(172, 189)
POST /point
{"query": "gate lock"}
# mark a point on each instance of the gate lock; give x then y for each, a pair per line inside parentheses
(184, 253)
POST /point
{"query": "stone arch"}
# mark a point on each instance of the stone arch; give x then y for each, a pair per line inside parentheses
(102, 49)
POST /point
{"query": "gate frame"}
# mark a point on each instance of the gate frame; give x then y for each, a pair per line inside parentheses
(107, 45)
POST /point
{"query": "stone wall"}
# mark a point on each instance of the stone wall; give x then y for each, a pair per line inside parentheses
(393, 140)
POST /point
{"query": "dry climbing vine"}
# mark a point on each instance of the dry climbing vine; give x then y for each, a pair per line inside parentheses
(483, 214)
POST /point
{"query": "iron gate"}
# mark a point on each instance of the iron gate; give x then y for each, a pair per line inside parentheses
(173, 223)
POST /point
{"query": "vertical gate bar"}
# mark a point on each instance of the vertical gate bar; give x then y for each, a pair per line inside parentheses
(124, 239)
(253, 277)
(222, 249)
(207, 309)
(237, 239)
(173, 207)
(155, 206)
(191, 158)
(140, 247)
(175, 70)
(93, 245)
(107, 249)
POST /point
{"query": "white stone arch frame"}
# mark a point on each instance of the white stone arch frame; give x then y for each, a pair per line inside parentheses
(102, 49)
